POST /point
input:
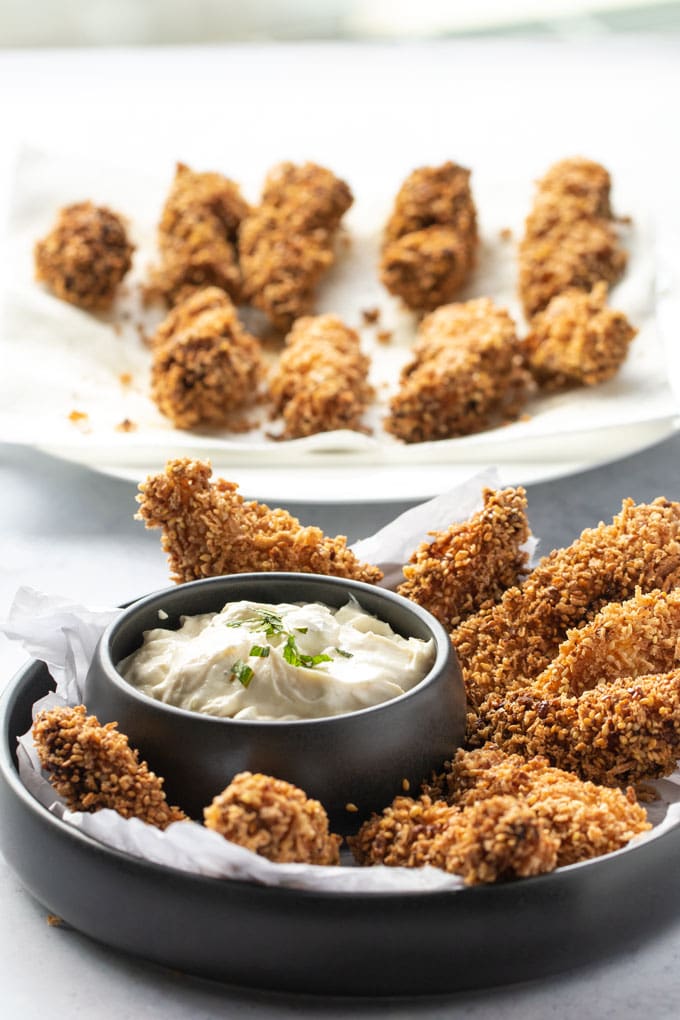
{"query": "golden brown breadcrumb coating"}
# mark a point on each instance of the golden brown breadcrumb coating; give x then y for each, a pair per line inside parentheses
(85, 256)
(206, 368)
(286, 244)
(623, 731)
(208, 529)
(498, 839)
(569, 239)
(471, 563)
(576, 340)
(197, 236)
(587, 819)
(608, 705)
(92, 767)
(510, 644)
(321, 380)
(466, 374)
(274, 819)
(430, 237)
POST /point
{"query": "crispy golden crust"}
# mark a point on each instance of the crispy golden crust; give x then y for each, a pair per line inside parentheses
(85, 256)
(197, 236)
(511, 643)
(569, 239)
(608, 705)
(321, 380)
(624, 731)
(466, 374)
(500, 838)
(92, 767)
(206, 368)
(286, 245)
(274, 819)
(208, 529)
(471, 563)
(587, 819)
(431, 237)
(577, 341)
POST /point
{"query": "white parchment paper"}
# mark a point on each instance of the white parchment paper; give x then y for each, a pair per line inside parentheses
(60, 359)
(64, 635)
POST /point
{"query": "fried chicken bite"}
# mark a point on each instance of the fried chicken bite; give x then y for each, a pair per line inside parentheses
(209, 529)
(92, 767)
(588, 820)
(471, 563)
(430, 239)
(274, 819)
(85, 256)
(498, 839)
(608, 705)
(466, 375)
(569, 239)
(206, 369)
(576, 340)
(321, 380)
(197, 236)
(509, 644)
(287, 243)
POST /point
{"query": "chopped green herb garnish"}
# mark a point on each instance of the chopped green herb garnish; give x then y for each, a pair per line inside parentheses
(345, 655)
(242, 672)
(301, 630)
(261, 651)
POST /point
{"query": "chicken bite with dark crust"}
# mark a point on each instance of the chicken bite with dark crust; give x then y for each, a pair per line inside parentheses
(466, 374)
(85, 256)
(509, 644)
(274, 819)
(197, 236)
(321, 380)
(569, 239)
(471, 564)
(93, 767)
(206, 369)
(287, 243)
(209, 529)
(430, 240)
(577, 341)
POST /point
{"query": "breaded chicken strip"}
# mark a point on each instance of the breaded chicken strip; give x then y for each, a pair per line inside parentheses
(569, 239)
(321, 380)
(587, 819)
(624, 731)
(92, 767)
(274, 819)
(466, 375)
(287, 243)
(471, 563)
(197, 236)
(208, 529)
(206, 368)
(608, 705)
(85, 256)
(577, 341)
(499, 838)
(430, 238)
(511, 643)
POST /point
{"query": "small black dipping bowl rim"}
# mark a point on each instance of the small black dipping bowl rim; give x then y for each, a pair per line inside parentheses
(444, 649)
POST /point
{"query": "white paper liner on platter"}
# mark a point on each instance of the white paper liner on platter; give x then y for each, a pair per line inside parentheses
(64, 635)
(62, 359)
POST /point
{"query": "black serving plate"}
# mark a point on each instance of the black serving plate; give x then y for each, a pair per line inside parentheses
(330, 943)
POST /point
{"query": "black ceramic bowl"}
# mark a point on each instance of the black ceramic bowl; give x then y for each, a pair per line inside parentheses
(360, 758)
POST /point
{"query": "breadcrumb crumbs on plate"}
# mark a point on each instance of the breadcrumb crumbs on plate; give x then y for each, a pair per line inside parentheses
(126, 425)
(370, 315)
(384, 336)
(505, 234)
(125, 378)
(78, 416)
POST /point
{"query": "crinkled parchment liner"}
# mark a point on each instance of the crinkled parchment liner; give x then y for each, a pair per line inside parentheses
(64, 636)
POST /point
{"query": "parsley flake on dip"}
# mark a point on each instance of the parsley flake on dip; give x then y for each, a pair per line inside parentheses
(258, 661)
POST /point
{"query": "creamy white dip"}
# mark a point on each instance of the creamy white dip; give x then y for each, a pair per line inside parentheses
(313, 661)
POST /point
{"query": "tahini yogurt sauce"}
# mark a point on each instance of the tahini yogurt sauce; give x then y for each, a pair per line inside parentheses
(258, 661)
